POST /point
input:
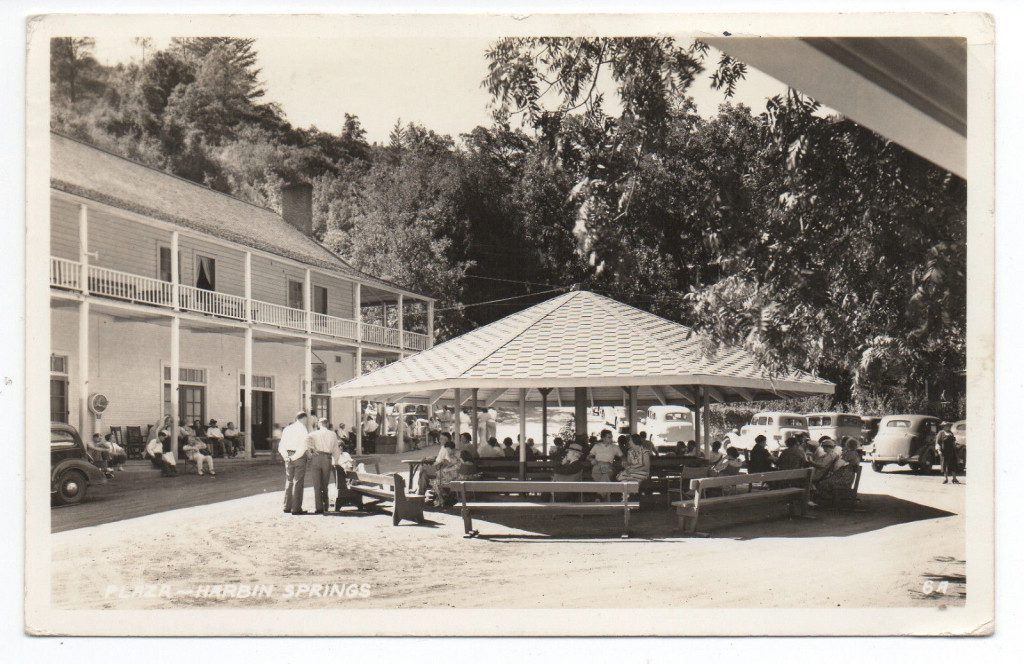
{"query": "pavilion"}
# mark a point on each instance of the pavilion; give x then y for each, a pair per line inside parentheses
(580, 348)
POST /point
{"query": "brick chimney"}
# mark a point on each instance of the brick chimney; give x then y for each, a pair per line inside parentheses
(297, 206)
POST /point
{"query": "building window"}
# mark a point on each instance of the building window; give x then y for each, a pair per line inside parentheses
(258, 382)
(320, 299)
(320, 397)
(59, 388)
(165, 264)
(295, 299)
(206, 273)
(191, 394)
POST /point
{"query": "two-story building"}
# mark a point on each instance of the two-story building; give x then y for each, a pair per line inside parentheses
(171, 299)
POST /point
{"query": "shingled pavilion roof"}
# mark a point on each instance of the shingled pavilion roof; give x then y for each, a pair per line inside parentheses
(579, 339)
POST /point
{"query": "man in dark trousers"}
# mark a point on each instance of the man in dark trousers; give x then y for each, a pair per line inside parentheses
(945, 444)
(760, 460)
(295, 453)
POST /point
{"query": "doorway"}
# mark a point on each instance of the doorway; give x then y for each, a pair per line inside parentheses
(262, 417)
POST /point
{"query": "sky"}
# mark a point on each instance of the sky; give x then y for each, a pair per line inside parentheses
(430, 81)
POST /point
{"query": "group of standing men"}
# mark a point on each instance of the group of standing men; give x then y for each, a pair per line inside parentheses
(313, 450)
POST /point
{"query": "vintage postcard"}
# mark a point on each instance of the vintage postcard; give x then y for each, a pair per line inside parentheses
(490, 325)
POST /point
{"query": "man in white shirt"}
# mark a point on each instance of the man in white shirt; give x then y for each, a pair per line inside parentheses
(216, 437)
(490, 450)
(604, 453)
(163, 461)
(295, 453)
(324, 453)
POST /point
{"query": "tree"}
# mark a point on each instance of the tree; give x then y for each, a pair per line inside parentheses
(74, 71)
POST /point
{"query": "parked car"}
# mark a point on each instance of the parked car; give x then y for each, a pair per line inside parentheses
(906, 440)
(836, 426)
(774, 426)
(667, 425)
(869, 428)
(71, 467)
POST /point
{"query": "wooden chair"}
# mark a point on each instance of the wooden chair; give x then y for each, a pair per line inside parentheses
(135, 442)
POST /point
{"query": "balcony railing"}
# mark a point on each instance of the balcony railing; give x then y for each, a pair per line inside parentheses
(278, 315)
(65, 273)
(131, 287)
(104, 282)
(335, 327)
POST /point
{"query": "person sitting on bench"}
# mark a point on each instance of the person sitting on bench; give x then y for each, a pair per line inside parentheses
(155, 452)
(716, 454)
(446, 471)
(603, 456)
(99, 450)
(490, 450)
(837, 478)
(691, 449)
(730, 464)
(198, 453)
(216, 438)
(231, 439)
(637, 464)
(508, 450)
(467, 467)
(760, 459)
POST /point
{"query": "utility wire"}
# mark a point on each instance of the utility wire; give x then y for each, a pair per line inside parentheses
(504, 299)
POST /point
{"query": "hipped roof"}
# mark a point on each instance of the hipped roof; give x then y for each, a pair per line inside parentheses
(579, 339)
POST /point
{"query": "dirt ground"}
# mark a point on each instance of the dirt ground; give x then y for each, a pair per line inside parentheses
(905, 547)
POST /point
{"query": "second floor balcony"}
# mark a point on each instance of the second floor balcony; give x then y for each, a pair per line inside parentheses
(103, 282)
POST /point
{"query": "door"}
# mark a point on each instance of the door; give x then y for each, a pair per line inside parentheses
(262, 417)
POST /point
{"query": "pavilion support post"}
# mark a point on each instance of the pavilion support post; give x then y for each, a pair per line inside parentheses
(544, 392)
(359, 425)
(247, 395)
(522, 433)
(632, 410)
(457, 424)
(580, 403)
(705, 420)
(696, 420)
(475, 418)
(400, 428)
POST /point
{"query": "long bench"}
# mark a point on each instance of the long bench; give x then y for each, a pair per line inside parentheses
(381, 488)
(476, 489)
(792, 487)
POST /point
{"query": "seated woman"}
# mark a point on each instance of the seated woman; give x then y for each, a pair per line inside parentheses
(636, 466)
(833, 487)
(691, 449)
(716, 454)
(507, 449)
(467, 467)
(445, 470)
(851, 453)
(728, 465)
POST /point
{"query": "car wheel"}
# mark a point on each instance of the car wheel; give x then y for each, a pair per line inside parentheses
(71, 486)
(877, 467)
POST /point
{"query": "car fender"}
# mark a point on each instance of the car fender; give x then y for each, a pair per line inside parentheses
(92, 473)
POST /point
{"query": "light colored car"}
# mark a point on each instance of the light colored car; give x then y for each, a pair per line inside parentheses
(906, 440)
(667, 425)
(959, 430)
(774, 426)
(835, 426)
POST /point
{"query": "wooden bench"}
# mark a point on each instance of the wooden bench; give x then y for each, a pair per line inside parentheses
(796, 496)
(478, 488)
(382, 488)
(538, 469)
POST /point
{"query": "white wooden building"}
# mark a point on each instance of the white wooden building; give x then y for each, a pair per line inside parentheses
(162, 287)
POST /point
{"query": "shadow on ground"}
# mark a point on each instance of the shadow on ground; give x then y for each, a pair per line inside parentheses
(873, 512)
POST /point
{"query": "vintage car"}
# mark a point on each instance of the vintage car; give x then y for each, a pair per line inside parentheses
(906, 440)
(667, 425)
(774, 426)
(835, 426)
(71, 467)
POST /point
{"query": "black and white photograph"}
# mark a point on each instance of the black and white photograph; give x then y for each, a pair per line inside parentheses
(410, 322)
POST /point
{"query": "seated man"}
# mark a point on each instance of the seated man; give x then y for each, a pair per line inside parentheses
(155, 453)
(100, 450)
(198, 453)
(490, 450)
(216, 438)
(232, 440)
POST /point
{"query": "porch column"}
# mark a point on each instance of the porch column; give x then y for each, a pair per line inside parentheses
(522, 433)
(475, 418)
(308, 400)
(401, 325)
(580, 403)
(175, 276)
(247, 395)
(307, 300)
(84, 420)
(359, 400)
(430, 323)
(696, 417)
(175, 370)
(457, 431)
(544, 392)
(632, 409)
